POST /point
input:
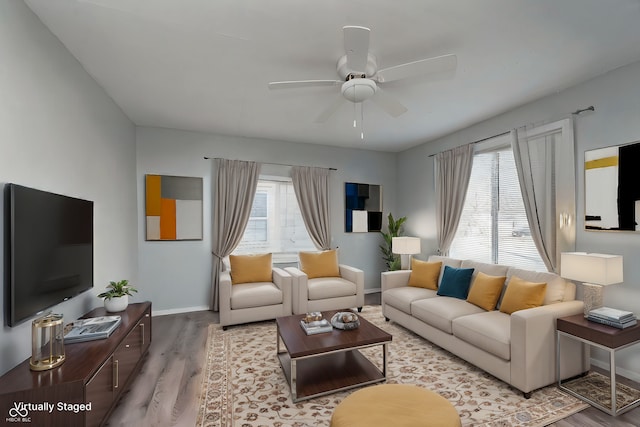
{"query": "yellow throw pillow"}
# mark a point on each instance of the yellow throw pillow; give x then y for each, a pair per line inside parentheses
(485, 290)
(250, 268)
(319, 264)
(521, 295)
(424, 274)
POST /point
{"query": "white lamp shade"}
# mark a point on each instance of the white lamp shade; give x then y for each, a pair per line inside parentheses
(599, 269)
(405, 245)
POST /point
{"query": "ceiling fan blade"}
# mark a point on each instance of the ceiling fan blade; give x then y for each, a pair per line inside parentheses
(422, 67)
(388, 103)
(328, 112)
(303, 83)
(356, 46)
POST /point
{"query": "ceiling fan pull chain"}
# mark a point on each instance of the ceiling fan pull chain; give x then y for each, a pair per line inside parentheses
(362, 121)
(354, 108)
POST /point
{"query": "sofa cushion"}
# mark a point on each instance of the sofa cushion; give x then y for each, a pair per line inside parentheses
(455, 282)
(521, 295)
(424, 274)
(451, 262)
(485, 290)
(259, 294)
(250, 268)
(402, 297)
(486, 268)
(330, 287)
(556, 285)
(441, 311)
(319, 264)
(489, 330)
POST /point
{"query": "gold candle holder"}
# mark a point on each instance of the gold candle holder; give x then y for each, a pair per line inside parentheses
(47, 342)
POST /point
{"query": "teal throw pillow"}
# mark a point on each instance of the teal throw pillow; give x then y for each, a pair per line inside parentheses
(455, 282)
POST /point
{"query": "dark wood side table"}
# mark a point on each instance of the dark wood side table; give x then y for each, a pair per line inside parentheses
(604, 337)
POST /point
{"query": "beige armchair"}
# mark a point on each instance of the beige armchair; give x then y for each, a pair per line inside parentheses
(255, 291)
(322, 284)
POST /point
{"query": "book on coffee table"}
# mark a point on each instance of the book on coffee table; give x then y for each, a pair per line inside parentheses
(316, 327)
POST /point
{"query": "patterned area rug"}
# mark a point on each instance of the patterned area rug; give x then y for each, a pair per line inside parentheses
(244, 386)
(598, 387)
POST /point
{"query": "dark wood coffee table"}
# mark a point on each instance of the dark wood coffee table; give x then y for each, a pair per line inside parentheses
(315, 365)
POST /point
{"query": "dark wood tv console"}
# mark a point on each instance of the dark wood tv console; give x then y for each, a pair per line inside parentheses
(86, 387)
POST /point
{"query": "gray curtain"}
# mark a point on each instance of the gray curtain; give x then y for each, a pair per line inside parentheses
(535, 163)
(453, 170)
(311, 186)
(235, 187)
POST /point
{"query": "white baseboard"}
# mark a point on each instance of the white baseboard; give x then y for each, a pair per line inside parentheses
(634, 376)
(179, 310)
(372, 290)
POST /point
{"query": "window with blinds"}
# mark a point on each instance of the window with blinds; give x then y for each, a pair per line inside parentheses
(275, 224)
(494, 227)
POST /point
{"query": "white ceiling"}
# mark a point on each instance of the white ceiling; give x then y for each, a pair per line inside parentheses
(204, 65)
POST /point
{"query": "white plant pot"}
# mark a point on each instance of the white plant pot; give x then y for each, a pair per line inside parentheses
(114, 305)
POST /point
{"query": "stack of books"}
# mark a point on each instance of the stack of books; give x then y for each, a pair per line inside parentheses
(312, 327)
(612, 317)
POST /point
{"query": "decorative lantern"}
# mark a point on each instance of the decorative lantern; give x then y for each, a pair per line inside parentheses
(47, 342)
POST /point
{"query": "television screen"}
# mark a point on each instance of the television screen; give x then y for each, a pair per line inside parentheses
(48, 248)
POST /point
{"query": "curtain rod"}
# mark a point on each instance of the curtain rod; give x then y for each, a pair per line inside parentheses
(578, 111)
(269, 163)
(482, 140)
(582, 110)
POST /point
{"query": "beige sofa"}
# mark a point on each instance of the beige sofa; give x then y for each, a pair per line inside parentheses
(519, 349)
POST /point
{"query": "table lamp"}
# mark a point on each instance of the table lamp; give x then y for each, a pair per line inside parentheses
(595, 271)
(405, 247)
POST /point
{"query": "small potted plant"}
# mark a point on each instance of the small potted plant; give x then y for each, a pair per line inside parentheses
(116, 298)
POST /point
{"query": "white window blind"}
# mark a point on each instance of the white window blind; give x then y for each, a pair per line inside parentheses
(493, 227)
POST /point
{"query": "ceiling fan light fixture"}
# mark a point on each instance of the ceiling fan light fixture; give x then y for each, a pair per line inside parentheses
(358, 90)
(360, 78)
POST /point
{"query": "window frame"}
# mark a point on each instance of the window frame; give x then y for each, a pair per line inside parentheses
(495, 144)
(271, 185)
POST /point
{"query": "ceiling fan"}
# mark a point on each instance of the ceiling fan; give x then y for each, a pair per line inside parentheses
(361, 79)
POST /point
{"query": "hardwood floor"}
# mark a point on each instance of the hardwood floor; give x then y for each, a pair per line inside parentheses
(165, 393)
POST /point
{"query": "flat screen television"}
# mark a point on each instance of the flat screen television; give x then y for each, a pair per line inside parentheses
(48, 250)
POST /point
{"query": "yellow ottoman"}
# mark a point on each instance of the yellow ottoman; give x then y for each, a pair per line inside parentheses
(397, 405)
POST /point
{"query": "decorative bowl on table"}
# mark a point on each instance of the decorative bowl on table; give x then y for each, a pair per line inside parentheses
(345, 320)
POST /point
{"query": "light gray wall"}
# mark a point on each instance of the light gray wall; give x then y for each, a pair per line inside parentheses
(180, 272)
(59, 132)
(616, 120)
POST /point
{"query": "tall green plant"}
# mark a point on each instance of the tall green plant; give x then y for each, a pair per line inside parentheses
(394, 228)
